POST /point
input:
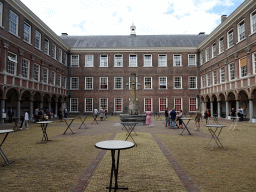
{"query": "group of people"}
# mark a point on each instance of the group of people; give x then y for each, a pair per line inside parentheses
(171, 116)
(102, 112)
(24, 118)
(65, 112)
(240, 113)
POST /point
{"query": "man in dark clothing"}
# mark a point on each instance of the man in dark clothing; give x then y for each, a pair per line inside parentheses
(10, 114)
(60, 114)
(172, 118)
(166, 116)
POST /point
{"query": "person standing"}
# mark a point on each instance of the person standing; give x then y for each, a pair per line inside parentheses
(180, 119)
(233, 112)
(22, 121)
(172, 118)
(26, 120)
(65, 113)
(240, 113)
(207, 116)
(36, 113)
(102, 114)
(197, 120)
(10, 114)
(60, 114)
(148, 118)
(166, 114)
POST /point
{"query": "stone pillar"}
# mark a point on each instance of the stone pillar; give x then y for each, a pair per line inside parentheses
(41, 105)
(237, 106)
(18, 109)
(56, 110)
(31, 111)
(2, 107)
(250, 109)
(211, 106)
(227, 109)
(133, 105)
(50, 105)
(218, 109)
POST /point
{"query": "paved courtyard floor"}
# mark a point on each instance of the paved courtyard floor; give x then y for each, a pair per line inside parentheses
(162, 161)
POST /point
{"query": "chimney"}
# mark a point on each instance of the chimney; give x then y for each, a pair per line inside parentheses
(64, 34)
(201, 33)
(223, 18)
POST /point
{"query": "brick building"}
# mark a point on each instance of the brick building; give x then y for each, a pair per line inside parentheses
(40, 68)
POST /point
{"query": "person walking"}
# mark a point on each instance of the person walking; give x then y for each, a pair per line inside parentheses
(207, 116)
(65, 112)
(26, 120)
(148, 118)
(179, 118)
(166, 114)
(36, 114)
(197, 120)
(22, 121)
(60, 114)
(102, 114)
(172, 118)
(240, 113)
(10, 114)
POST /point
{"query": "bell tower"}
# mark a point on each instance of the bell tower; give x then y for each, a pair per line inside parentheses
(133, 29)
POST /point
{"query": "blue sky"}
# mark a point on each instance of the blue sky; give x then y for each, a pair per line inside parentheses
(114, 17)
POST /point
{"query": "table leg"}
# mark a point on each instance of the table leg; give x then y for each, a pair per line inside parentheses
(129, 134)
(69, 127)
(82, 123)
(216, 138)
(185, 125)
(6, 160)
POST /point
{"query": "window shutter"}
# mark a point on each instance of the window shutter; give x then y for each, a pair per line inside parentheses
(243, 62)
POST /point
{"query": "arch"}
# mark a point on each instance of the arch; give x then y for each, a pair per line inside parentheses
(231, 96)
(202, 98)
(244, 102)
(12, 98)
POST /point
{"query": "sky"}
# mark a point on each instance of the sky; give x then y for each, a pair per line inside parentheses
(114, 17)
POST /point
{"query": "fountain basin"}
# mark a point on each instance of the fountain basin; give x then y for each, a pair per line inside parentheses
(140, 118)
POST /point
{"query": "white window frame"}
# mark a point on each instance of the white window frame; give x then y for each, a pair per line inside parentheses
(45, 75)
(166, 104)
(131, 62)
(86, 81)
(27, 34)
(151, 83)
(190, 61)
(213, 50)
(53, 78)
(64, 82)
(201, 59)
(254, 62)
(38, 40)
(100, 103)
(60, 56)
(222, 75)
(71, 102)
(89, 60)
(230, 38)
(221, 45)
(151, 103)
(214, 77)
(253, 25)
(13, 23)
(191, 104)
(118, 60)
(240, 30)
(103, 84)
(85, 104)
(174, 81)
(104, 62)
(241, 75)
(159, 82)
(229, 71)
(147, 62)
(181, 103)
(53, 51)
(115, 83)
(25, 69)
(207, 55)
(71, 82)
(12, 63)
(162, 62)
(177, 62)
(208, 79)
(202, 81)
(72, 60)
(122, 104)
(59, 80)
(190, 82)
(46, 46)
(38, 72)
(1, 14)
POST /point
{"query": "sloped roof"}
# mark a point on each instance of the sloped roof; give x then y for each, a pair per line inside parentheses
(133, 41)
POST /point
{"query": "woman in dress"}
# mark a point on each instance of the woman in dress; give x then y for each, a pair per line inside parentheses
(148, 118)
(102, 114)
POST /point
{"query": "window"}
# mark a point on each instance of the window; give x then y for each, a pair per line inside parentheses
(60, 55)
(192, 104)
(208, 79)
(103, 61)
(222, 74)
(178, 104)
(36, 72)
(192, 82)
(162, 104)
(177, 82)
(64, 82)
(104, 103)
(254, 62)
(103, 83)
(74, 83)
(53, 51)
(162, 61)
(253, 22)
(74, 60)
(118, 82)
(147, 82)
(45, 75)
(118, 61)
(130, 82)
(12, 63)
(177, 60)
(89, 83)
(65, 61)
(73, 104)
(201, 59)
(243, 67)
(88, 60)
(214, 76)
(231, 71)
(147, 104)
(241, 31)
(25, 68)
(88, 105)
(230, 37)
(27, 33)
(118, 102)
(147, 60)
(59, 81)
(191, 60)
(133, 61)
(213, 50)
(46, 46)
(53, 78)
(202, 81)
(1, 14)
(221, 45)
(38, 40)
(13, 23)
(207, 54)
(162, 82)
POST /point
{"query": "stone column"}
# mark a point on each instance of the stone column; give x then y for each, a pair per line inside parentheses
(56, 109)
(237, 106)
(227, 109)
(218, 109)
(133, 105)
(211, 106)
(251, 109)
(2, 107)
(18, 109)
(41, 105)
(31, 110)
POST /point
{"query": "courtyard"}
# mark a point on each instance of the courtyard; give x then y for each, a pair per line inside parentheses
(162, 161)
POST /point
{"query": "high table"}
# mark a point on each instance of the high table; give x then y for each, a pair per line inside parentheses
(215, 134)
(6, 160)
(95, 118)
(114, 145)
(215, 119)
(82, 118)
(44, 125)
(185, 125)
(234, 123)
(68, 125)
(129, 126)
(16, 121)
